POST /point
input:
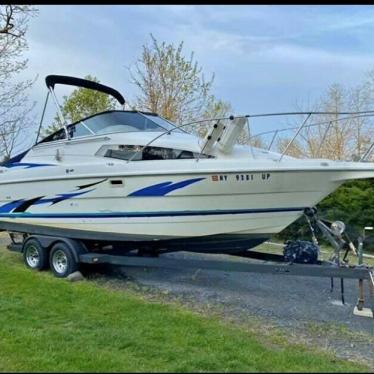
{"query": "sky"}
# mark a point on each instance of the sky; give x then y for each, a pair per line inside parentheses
(265, 58)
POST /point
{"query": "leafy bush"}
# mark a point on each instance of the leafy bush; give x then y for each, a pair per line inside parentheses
(352, 203)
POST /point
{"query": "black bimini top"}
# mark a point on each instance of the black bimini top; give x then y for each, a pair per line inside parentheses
(52, 80)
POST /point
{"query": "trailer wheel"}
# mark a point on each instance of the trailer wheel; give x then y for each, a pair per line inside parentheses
(34, 255)
(62, 261)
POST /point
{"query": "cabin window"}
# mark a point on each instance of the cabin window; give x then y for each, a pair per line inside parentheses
(125, 152)
(77, 130)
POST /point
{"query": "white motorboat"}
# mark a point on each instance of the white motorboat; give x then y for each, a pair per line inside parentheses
(135, 177)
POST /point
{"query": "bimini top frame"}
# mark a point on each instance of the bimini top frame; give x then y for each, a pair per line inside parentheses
(52, 80)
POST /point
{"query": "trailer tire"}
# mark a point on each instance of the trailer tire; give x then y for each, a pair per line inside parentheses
(35, 256)
(62, 261)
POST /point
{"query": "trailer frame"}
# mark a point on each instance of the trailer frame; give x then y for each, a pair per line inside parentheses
(257, 262)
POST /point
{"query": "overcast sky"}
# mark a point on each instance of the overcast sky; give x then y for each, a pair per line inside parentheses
(265, 58)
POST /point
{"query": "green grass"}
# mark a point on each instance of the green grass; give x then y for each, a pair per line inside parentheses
(339, 331)
(47, 324)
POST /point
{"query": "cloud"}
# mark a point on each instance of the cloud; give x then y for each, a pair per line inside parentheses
(263, 57)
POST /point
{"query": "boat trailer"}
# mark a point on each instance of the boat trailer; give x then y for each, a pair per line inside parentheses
(300, 259)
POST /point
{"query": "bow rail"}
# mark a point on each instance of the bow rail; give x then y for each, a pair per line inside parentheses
(347, 116)
(364, 114)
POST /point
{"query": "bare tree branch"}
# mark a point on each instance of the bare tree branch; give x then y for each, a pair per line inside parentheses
(15, 107)
(172, 85)
(336, 138)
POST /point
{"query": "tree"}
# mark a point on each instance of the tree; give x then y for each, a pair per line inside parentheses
(347, 138)
(174, 86)
(256, 142)
(214, 109)
(294, 150)
(15, 107)
(362, 98)
(81, 103)
(352, 203)
(333, 136)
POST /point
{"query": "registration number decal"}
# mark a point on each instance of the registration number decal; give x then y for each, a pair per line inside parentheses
(241, 177)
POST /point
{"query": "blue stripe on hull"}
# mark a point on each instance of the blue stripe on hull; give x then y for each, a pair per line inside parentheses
(149, 214)
(161, 189)
(26, 165)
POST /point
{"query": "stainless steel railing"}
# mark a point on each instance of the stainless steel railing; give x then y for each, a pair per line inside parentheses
(346, 116)
(329, 122)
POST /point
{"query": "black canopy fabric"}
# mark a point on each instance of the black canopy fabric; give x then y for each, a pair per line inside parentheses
(51, 80)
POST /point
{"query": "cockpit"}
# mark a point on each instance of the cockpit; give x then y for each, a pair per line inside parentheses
(116, 121)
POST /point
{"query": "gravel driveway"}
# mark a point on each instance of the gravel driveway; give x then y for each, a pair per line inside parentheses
(302, 307)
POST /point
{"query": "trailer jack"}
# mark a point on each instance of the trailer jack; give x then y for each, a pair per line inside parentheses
(335, 233)
(359, 309)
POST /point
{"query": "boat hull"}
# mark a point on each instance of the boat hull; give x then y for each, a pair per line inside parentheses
(221, 243)
(215, 212)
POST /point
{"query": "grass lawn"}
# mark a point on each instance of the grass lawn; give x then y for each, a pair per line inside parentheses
(47, 324)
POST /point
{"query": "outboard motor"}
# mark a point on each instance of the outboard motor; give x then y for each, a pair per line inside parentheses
(301, 251)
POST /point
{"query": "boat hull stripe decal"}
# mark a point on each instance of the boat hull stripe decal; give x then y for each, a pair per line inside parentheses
(22, 205)
(26, 165)
(161, 189)
(149, 214)
(90, 184)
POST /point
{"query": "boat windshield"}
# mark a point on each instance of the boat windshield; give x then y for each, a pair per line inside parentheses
(114, 121)
(119, 121)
